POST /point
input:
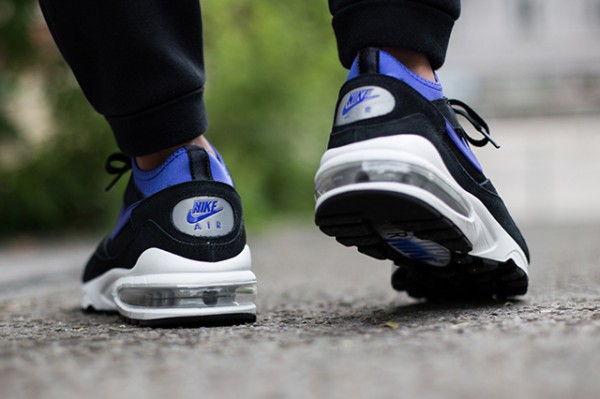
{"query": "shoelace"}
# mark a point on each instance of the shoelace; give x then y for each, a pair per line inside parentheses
(117, 164)
(477, 121)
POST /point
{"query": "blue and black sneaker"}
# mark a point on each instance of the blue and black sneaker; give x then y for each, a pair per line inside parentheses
(178, 253)
(400, 182)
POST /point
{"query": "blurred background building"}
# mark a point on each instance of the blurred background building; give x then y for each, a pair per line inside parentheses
(531, 67)
(527, 57)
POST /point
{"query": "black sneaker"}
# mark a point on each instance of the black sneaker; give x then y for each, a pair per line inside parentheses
(178, 253)
(400, 182)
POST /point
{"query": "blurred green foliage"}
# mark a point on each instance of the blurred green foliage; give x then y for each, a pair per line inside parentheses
(273, 77)
(15, 50)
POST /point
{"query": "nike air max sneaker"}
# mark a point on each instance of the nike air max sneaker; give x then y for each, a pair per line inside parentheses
(399, 182)
(178, 253)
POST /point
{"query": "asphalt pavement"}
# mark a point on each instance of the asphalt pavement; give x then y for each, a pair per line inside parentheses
(329, 326)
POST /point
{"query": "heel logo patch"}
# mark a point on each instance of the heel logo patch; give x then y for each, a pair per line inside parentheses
(363, 103)
(204, 216)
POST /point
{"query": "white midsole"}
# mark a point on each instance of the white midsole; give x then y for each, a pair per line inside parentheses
(158, 268)
(488, 237)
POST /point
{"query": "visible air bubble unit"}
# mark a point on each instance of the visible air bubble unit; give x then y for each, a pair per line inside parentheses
(188, 297)
(390, 171)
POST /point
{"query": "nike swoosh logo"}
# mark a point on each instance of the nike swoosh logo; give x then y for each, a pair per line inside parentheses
(195, 219)
(349, 107)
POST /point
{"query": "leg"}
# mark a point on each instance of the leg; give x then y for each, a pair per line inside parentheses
(423, 26)
(140, 64)
(399, 180)
(178, 252)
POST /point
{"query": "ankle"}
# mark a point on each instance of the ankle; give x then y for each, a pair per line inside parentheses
(154, 160)
(413, 60)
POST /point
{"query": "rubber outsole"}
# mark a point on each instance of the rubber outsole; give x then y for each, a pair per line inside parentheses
(351, 217)
(202, 321)
(199, 321)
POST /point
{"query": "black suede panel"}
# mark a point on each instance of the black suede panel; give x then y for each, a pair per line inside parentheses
(199, 163)
(446, 110)
(132, 194)
(411, 124)
(368, 60)
(151, 226)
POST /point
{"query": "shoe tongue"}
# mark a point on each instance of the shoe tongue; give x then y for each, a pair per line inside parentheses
(190, 163)
(387, 65)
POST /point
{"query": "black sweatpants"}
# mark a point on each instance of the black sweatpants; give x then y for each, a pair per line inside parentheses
(140, 63)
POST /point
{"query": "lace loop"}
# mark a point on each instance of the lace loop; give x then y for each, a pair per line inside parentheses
(116, 164)
(477, 121)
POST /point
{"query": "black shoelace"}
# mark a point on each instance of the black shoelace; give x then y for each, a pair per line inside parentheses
(477, 121)
(117, 164)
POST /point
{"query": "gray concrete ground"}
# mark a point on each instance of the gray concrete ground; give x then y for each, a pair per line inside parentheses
(329, 326)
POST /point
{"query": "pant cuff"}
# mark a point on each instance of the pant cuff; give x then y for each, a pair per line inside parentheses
(161, 127)
(385, 23)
